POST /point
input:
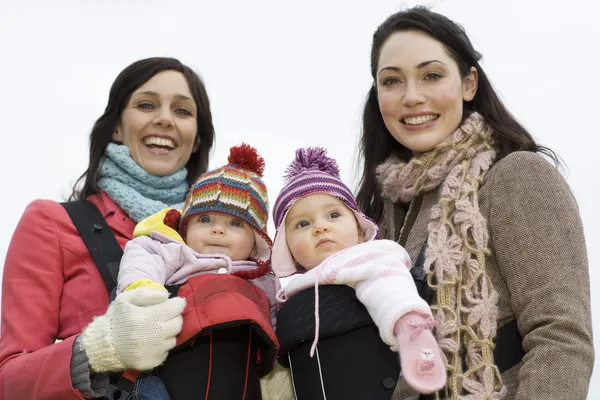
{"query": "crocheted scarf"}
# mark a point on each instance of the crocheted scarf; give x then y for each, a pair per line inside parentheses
(137, 192)
(465, 302)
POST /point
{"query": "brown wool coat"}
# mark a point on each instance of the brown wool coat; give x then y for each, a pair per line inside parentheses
(538, 265)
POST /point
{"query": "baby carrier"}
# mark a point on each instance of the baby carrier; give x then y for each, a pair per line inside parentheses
(350, 362)
(226, 342)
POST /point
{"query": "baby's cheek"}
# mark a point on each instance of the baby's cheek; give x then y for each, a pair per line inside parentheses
(353, 237)
(292, 244)
(299, 250)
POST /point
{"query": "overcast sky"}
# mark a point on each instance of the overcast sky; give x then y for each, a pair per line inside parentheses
(280, 75)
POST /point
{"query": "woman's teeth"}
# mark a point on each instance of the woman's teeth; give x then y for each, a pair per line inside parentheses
(157, 141)
(422, 119)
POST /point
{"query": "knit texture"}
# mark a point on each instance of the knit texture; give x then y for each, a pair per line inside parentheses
(236, 189)
(91, 385)
(278, 384)
(99, 345)
(137, 331)
(465, 306)
(137, 192)
(311, 172)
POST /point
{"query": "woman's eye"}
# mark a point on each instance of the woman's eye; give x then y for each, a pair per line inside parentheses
(237, 223)
(145, 106)
(183, 111)
(433, 76)
(390, 80)
(205, 219)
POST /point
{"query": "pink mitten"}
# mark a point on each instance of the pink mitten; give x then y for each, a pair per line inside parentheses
(420, 357)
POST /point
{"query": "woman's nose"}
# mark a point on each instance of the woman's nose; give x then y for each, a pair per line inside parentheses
(412, 97)
(164, 117)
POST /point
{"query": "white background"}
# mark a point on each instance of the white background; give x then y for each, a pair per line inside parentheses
(280, 75)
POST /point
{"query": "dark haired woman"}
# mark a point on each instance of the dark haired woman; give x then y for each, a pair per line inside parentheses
(151, 142)
(450, 174)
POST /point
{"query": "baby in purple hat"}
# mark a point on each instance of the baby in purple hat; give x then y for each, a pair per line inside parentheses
(324, 239)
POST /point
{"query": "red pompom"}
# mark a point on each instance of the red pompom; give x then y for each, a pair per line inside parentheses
(172, 218)
(246, 157)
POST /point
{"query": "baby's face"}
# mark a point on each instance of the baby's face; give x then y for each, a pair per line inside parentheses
(318, 226)
(216, 233)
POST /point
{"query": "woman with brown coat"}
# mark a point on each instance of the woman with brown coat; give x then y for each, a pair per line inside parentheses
(455, 179)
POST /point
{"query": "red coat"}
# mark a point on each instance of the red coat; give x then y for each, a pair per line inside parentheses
(51, 290)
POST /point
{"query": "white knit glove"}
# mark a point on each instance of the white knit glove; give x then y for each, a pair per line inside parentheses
(137, 331)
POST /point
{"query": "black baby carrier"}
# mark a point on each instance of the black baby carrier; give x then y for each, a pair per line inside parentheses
(350, 362)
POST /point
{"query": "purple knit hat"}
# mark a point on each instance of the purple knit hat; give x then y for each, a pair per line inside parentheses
(311, 172)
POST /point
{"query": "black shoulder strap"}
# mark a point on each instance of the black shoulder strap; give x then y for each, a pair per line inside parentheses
(106, 253)
(420, 277)
(509, 346)
(99, 239)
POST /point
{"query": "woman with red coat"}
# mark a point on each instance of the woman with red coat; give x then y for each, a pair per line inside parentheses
(59, 336)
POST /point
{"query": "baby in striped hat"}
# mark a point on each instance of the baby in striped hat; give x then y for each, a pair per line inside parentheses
(225, 215)
(322, 238)
(216, 253)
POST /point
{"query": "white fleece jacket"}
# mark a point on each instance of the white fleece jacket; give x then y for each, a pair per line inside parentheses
(379, 272)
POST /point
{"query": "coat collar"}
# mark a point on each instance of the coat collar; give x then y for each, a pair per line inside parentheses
(114, 215)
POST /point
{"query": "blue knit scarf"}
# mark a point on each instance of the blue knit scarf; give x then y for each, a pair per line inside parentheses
(137, 192)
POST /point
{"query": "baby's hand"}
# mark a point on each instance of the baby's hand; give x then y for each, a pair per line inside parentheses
(420, 354)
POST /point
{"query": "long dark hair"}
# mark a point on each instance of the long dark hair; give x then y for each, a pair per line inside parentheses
(376, 142)
(128, 81)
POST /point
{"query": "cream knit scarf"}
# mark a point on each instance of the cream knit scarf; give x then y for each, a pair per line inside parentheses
(465, 302)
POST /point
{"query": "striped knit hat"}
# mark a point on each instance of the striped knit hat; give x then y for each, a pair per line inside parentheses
(235, 189)
(311, 172)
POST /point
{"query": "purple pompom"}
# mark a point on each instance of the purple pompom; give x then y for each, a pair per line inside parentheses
(312, 158)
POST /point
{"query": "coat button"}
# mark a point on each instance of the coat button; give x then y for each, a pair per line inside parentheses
(222, 270)
(389, 383)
